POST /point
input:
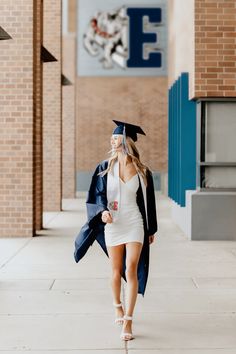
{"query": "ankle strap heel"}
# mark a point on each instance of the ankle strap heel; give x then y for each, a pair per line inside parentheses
(126, 335)
(118, 320)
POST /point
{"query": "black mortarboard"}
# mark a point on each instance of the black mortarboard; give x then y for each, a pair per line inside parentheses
(131, 130)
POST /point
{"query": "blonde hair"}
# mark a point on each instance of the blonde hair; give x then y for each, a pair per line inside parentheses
(134, 155)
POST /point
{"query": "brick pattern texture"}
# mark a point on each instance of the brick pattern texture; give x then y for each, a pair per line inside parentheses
(16, 119)
(72, 12)
(215, 48)
(141, 101)
(52, 110)
(68, 118)
(37, 137)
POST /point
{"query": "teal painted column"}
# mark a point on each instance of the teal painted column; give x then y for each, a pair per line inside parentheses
(187, 140)
(182, 141)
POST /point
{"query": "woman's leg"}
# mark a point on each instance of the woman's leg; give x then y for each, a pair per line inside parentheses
(133, 251)
(116, 258)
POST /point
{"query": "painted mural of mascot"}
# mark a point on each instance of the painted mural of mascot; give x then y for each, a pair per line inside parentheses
(107, 34)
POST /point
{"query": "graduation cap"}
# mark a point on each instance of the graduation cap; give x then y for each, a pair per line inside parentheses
(127, 129)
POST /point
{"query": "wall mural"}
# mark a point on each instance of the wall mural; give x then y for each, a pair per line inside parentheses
(125, 40)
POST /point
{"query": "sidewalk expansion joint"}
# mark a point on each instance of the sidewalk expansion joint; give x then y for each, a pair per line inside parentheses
(123, 299)
(51, 286)
(16, 253)
(195, 283)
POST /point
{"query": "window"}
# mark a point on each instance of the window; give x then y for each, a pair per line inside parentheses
(218, 145)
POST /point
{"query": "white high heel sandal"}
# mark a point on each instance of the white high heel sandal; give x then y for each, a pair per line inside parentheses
(118, 320)
(127, 335)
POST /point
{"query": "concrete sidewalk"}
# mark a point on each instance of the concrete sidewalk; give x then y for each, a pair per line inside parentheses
(49, 304)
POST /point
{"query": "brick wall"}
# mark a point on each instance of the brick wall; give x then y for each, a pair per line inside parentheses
(52, 120)
(215, 48)
(16, 119)
(72, 14)
(68, 118)
(139, 100)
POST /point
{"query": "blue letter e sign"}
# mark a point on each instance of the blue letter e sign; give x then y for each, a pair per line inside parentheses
(137, 38)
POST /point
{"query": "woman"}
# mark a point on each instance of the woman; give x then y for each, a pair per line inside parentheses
(122, 217)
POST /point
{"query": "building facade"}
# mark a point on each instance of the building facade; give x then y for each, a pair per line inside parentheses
(105, 91)
(56, 120)
(34, 147)
(202, 106)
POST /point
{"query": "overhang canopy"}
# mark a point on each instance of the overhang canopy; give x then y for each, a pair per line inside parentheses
(46, 56)
(4, 35)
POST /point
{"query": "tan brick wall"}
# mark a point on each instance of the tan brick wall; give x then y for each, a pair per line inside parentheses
(215, 48)
(72, 15)
(38, 167)
(68, 119)
(138, 100)
(52, 112)
(16, 119)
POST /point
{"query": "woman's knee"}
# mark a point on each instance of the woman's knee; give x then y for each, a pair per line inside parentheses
(131, 270)
(116, 273)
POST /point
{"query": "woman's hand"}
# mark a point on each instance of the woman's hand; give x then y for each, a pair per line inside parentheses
(151, 239)
(106, 217)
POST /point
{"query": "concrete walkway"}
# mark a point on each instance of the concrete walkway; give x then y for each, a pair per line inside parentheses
(49, 304)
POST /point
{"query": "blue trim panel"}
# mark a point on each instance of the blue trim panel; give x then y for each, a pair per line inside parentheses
(182, 141)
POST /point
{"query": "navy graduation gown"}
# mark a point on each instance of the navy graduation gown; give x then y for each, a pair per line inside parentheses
(93, 229)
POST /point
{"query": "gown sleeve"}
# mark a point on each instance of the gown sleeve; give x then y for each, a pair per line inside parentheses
(96, 201)
(151, 205)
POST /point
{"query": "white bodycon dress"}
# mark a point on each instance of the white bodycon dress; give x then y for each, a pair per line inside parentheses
(128, 225)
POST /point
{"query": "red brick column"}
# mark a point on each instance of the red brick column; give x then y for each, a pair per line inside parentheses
(16, 119)
(52, 111)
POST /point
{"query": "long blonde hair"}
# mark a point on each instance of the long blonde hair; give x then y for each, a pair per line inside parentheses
(134, 155)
